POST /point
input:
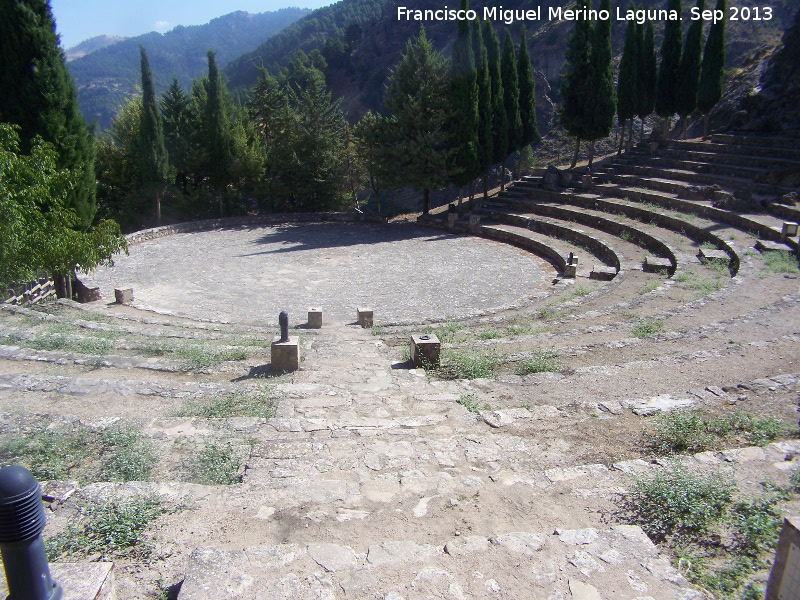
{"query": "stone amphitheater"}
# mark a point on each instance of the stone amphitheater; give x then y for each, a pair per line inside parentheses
(361, 477)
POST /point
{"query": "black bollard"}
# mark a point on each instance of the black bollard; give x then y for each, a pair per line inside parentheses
(569, 262)
(22, 521)
(283, 321)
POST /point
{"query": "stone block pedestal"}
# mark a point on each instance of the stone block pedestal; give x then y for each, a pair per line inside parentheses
(654, 265)
(603, 273)
(789, 229)
(314, 318)
(364, 316)
(570, 271)
(285, 356)
(123, 295)
(425, 350)
(784, 580)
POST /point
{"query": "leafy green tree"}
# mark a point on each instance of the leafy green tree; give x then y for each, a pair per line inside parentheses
(669, 76)
(463, 119)
(574, 81)
(33, 236)
(527, 98)
(377, 155)
(709, 90)
(627, 83)
(602, 97)
(176, 112)
(416, 98)
(647, 74)
(690, 69)
(485, 116)
(499, 116)
(508, 70)
(153, 158)
(39, 95)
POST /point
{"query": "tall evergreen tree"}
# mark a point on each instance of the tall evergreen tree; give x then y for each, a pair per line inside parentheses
(499, 116)
(463, 99)
(669, 76)
(627, 83)
(527, 97)
(376, 154)
(690, 69)
(218, 142)
(709, 90)
(485, 134)
(648, 74)
(175, 108)
(38, 94)
(416, 97)
(575, 79)
(602, 95)
(508, 70)
(153, 158)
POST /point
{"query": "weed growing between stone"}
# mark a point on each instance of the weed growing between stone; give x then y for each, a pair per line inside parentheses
(780, 262)
(470, 402)
(468, 364)
(445, 332)
(719, 541)
(238, 404)
(543, 361)
(202, 356)
(111, 529)
(216, 464)
(489, 334)
(651, 285)
(647, 327)
(83, 454)
(688, 433)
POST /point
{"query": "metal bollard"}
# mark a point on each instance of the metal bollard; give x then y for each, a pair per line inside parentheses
(283, 321)
(22, 521)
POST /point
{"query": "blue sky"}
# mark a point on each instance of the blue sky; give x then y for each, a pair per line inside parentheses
(78, 20)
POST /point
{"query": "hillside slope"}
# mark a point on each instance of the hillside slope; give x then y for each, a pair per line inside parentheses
(106, 77)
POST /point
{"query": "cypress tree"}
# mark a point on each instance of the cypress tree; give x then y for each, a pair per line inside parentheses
(38, 94)
(648, 74)
(153, 159)
(602, 96)
(499, 117)
(463, 119)
(175, 108)
(669, 72)
(709, 90)
(575, 79)
(690, 69)
(218, 131)
(416, 98)
(627, 83)
(508, 71)
(485, 134)
(527, 98)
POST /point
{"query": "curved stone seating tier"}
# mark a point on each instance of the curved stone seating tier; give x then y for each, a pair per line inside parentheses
(717, 148)
(750, 161)
(779, 141)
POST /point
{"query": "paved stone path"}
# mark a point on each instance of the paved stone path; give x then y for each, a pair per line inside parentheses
(404, 272)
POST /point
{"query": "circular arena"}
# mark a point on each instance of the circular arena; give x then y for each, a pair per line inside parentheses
(404, 272)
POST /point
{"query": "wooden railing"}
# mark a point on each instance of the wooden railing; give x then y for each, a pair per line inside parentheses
(32, 292)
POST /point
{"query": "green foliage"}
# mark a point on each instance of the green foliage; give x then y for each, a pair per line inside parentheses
(648, 71)
(677, 503)
(575, 78)
(780, 262)
(669, 75)
(216, 464)
(629, 75)
(468, 364)
(485, 105)
(527, 93)
(709, 89)
(376, 153)
(33, 237)
(470, 402)
(201, 356)
(113, 529)
(237, 404)
(544, 361)
(510, 78)
(601, 100)
(647, 327)
(499, 116)
(686, 100)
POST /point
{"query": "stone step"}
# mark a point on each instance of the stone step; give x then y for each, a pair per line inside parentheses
(717, 148)
(736, 160)
(777, 141)
(691, 165)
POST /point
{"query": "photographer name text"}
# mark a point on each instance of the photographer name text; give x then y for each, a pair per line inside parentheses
(509, 16)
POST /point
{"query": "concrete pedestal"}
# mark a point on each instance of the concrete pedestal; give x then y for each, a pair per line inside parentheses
(571, 271)
(425, 350)
(654, 265)
(123, 295)
(789, 229)
(364, 316)
(285, 356)
(706, 255)
(314, 318)
(603, 273)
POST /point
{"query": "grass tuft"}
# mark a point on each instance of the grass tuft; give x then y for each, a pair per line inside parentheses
(544, 361)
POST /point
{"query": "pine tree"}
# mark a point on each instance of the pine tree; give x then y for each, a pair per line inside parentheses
(669, 76)
(527, 98)
(648, 74)
(627, 83)
(416, 98)
(463, 100)
(574, 81)
(508, 70)
(709, 90)
(690, 69)
(601, 94)
(38, 94)
(499, 116)
(485, 134)
(153, 159)
(175, 108)
(376, 154)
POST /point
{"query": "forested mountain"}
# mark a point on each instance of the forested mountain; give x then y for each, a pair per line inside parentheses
(108, 76)
(359, 63)
(88, 46)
